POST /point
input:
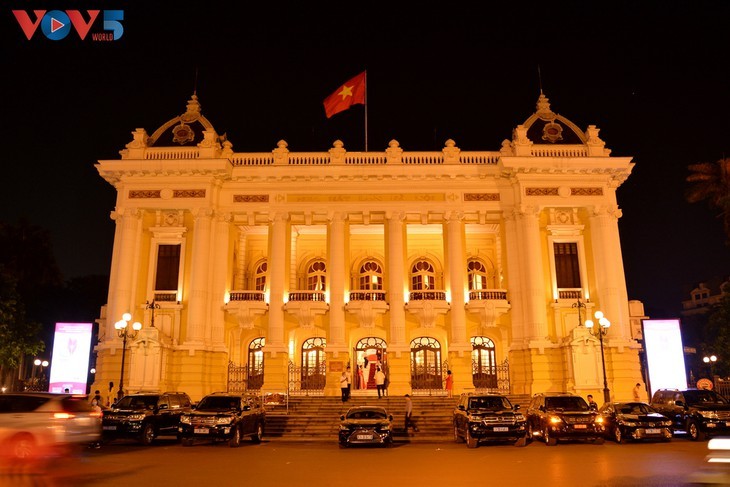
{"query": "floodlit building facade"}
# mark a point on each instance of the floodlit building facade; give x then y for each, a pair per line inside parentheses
(276, 271)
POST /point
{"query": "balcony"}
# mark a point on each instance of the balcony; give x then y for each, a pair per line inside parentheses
(367, 295)
(489, 305)
(427, 295)
(246, 307)
(427, 305)
(367, 305)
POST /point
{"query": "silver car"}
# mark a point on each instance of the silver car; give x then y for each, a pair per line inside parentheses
(39, 424)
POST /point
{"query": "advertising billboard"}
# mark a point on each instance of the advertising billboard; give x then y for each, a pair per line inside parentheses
(70, 359)
(664, 355)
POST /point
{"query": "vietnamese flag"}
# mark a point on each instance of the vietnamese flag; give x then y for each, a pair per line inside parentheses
(350, 93)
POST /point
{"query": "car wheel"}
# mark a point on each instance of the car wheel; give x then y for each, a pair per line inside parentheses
(530, 432)
(457, 437)
(187, 442)
(235, 440)
(599, 441)
(694, 432)
(343, 444)
(617, 436)
(148, 434)
(471, 442)
(22, 447)
(549, 440)
(521, 442)
(256, 438)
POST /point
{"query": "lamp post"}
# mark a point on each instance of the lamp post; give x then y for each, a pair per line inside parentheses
(600, 332)
(710, 360)
(122, 327)
(580, 305)
(152, 306)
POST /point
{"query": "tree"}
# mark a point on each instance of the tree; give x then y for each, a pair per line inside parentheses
(18, 337)
(711, 183)
(717, 335)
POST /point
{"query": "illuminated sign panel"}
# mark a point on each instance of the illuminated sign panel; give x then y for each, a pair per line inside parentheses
(664, 355)
(70, 360)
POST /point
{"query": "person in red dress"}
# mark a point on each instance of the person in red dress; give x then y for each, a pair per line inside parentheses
(449, 383)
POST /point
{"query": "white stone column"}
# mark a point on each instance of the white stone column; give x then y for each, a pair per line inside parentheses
(396, 252)
(278, 271)
(200, 264)
(533, 283)
(336, 271)
(219, 259)
(609, 269)
(124, 264)
(240, 283)
(514, 279)
(457, 267)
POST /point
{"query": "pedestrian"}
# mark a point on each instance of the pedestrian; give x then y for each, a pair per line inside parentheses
(449, 384)
(409, 412)
(343, 385)
(96, 399)
(361, 377)
(637, 392)
(380, 381)
(591, 403)
(349, 382)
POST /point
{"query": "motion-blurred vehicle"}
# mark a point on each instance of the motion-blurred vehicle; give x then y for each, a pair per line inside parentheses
(366, 425)
(634, 421)
(563, 416)
(223, 416)
(488, 417)
(40, 424)
(698, 412)
(145, 416)
(716, 470)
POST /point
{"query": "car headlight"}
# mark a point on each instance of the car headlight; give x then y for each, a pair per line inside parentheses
(344, 428)
(226, 420)
(136, 417)
(666, 423)
(185, 419)
(708, 414)
(385, 427)
(599, 420)
(624, 422)
(519, 417)
(555, 420)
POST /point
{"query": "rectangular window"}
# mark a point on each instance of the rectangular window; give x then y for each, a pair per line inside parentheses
(168, 267)
(567, 270)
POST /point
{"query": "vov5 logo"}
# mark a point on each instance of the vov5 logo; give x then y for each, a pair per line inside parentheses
(57, 24)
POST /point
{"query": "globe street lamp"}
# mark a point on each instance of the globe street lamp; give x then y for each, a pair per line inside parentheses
(603, 325)
(711, 361)
(122, 327)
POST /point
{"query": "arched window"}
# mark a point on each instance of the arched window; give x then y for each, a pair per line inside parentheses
(313, 364)
(256, 362)
(260, 277)
(422, 276)
(477, 274)
(426, 363)
(370, 353)
(483, 363)
(371, 276)
(316, 274)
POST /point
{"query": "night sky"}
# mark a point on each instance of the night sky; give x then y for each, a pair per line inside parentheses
(652, 76)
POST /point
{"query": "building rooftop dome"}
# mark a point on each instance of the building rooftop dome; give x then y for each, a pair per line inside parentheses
(184, 130)
(546, 127)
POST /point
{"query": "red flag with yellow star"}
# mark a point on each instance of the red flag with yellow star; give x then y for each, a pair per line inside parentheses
(350, 93)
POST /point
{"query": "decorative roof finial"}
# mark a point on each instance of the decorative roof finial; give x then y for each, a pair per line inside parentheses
(543, 107)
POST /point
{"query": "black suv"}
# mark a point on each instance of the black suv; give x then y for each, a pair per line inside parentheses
(488, 417)
(223, 416)
(698, 412)
(561, 415)
(145, 416)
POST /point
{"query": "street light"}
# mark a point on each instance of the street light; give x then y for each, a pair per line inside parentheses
(579, 304)
(152, 306)
(603, 325)
(122, 327)
(711, 361)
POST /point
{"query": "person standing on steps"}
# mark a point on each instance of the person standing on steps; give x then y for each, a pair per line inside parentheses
(380, 381)
(343, 385)
(349, 382)
(361, 378)
(449, 384)
(409, 412)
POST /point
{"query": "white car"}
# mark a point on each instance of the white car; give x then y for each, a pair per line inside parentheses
(38, 424)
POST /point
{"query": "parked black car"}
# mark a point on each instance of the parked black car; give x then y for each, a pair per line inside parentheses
(145, 416)
(366, 425)
(488, 417)
(563, 416)
(698, 412)
(634, 421)
(224, 416)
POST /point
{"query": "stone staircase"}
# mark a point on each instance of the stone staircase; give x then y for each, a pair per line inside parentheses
(316, 418)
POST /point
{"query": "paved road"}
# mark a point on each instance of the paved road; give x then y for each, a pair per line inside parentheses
(322, 464)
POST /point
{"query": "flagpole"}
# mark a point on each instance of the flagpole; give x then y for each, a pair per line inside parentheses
(366, 111)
